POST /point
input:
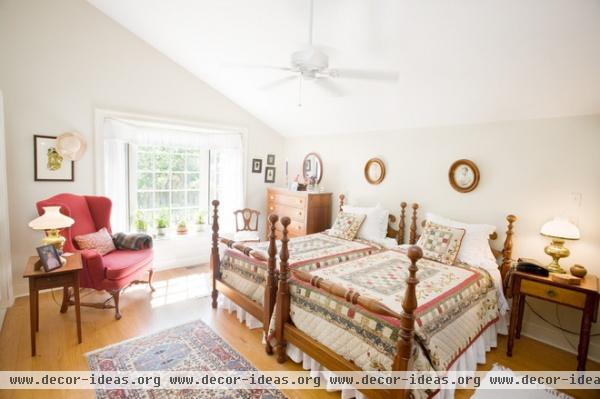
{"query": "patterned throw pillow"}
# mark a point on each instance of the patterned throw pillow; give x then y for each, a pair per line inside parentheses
(346, 225)
(441, 243)
(99, 241)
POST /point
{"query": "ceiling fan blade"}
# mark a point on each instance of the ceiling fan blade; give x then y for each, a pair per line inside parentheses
(258, 66)
(330, 86)
(385, 76)
(278, 82)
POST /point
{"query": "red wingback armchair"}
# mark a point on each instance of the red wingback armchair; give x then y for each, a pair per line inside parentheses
(111, 272)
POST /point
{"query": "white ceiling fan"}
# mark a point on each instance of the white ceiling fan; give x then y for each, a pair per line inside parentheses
(313, 64)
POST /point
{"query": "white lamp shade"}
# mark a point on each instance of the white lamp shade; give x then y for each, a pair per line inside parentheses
(560, 228)
(51, 219)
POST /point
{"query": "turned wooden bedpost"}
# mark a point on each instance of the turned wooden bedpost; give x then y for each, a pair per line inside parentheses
(283, 294)
(413, 225)
(402, 224)
(270, 289)
(507, 249)
(342, 199)
(402, 360)
(215, 262)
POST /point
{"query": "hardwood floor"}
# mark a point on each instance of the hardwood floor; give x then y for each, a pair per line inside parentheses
(181, 296)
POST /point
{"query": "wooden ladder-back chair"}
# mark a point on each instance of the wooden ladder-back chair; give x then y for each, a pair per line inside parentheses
(246, 225)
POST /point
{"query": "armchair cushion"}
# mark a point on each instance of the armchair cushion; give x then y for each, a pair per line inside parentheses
(123, 263)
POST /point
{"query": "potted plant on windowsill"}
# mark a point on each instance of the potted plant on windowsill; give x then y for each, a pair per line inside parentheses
(140, 224)
(161, 225)
(182, 227)
(200, 222)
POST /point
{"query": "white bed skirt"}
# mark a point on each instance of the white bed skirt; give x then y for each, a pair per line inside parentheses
(467, 362)
(243, 316)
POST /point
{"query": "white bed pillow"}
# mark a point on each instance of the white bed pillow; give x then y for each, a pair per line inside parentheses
(475, 249)
(376, 221)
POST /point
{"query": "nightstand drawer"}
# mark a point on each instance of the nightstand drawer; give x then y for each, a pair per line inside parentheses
(555, 294)
(53, 281)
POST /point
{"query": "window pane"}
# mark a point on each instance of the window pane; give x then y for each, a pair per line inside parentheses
(193, 180)
(178, 162)
(178, 198)
(162, 181)
(144, 161)
(192, 214)
(193, 163)
(193, 198)
(161, 199)
(145, 181)
(162, 160)
(177, 181)
(145, 200)
(177, 215)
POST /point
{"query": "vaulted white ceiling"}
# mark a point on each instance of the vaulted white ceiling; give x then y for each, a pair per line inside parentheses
(459, 62)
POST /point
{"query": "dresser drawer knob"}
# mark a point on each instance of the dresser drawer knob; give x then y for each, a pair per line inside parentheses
(271, 208)
(551, 293)
(271, 197)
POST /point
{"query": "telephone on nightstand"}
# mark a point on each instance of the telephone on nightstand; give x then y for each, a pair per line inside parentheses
(528, 265)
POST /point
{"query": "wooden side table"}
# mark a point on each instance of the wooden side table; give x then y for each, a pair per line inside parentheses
(66, 276)
(584, 297)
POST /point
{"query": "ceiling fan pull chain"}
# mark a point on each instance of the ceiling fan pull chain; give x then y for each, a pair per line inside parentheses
(300, 91)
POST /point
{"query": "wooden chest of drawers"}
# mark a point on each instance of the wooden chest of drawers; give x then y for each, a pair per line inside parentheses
(309, 212)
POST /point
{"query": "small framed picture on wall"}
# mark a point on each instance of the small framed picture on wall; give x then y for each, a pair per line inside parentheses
(270, 174)
(270, 159)
(48, 164)
(257, 165)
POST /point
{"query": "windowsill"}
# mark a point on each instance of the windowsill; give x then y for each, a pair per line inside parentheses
(173, 235)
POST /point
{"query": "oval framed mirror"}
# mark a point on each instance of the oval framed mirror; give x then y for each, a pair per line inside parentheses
(463, 175)
(312, 167)
(375, 171)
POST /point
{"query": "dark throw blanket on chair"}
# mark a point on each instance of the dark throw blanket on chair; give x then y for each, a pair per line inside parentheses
(134, 241)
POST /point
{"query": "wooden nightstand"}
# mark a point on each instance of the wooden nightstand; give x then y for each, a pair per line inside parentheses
(66, 276)
(583, 297)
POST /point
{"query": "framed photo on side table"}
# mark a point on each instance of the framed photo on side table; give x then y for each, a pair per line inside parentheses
(49, 257)
(47, 162)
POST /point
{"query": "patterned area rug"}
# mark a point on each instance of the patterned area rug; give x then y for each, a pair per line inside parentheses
(189, 347)
(544, 392)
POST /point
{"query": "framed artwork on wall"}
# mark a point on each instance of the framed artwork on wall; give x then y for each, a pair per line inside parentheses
(463, 175)
(270, 159)
(48, 164)
(257, 165)
(374, 171)
(270, 174)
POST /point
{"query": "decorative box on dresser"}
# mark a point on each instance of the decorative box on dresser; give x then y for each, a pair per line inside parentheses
(310, 212)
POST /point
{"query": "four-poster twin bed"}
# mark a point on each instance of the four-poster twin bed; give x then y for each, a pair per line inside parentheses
(247, 273)
(296, 285)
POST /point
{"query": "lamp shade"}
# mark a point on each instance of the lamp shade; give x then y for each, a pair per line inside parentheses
(560, 228)
(51, 219)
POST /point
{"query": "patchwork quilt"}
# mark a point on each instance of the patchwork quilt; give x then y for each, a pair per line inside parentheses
(248, 274)
(455, 305)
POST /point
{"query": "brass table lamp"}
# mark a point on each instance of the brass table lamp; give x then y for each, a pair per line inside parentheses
(52, 221)
(559, 229)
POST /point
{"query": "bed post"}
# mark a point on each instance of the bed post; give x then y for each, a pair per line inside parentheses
(342, 198)
(215, 262)
(270, 291)
(402, 224)
(507, 249)
(283, 294)
(402, 360)
(413, 225)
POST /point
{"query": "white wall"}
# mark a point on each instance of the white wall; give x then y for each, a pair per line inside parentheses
(62, 59)
(527, 168)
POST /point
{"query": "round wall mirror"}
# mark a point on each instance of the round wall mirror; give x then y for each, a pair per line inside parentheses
(374, 171)
(312, 167)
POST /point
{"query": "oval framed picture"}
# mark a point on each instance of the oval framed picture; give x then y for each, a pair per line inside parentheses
(374, 171)
(463, 175)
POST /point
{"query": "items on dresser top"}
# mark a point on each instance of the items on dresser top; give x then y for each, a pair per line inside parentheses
(310, 212)
(584, 297)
